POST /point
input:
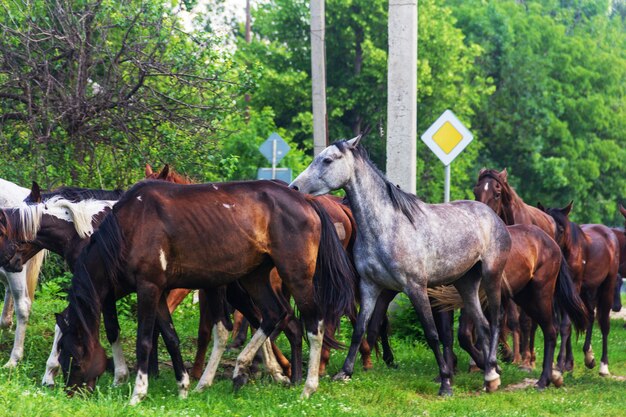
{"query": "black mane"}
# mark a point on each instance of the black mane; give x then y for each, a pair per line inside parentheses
(76, 194)
(407, 203)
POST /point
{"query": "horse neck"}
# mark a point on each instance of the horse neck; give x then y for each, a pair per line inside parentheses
(60, 237)
(368, 197)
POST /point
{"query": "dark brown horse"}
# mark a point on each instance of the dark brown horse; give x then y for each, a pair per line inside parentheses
(162, 236)
(341, 217)
(493, 189)
(536, 275)
(598, 250)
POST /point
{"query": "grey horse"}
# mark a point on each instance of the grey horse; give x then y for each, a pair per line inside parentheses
(404, 244)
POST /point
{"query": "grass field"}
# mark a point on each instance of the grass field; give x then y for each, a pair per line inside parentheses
(408, 390)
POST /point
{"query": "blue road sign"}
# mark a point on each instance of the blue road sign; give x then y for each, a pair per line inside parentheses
(283, 174)
(267, 148)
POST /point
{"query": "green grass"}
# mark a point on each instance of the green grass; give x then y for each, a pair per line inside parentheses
(408, 390)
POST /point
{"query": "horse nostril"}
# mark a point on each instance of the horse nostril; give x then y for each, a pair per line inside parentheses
(295, 187)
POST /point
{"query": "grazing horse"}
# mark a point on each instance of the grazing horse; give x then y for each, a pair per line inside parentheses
(162, 235)
(19, 286)
(536, 275)
(598, 249)
(493, 189)
(406, 245)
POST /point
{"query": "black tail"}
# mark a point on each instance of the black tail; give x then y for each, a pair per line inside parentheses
(334, 278)
(568, 300)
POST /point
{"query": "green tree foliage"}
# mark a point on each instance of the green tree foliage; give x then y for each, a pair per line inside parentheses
(356, 45)
(91, 90)
(557, 119)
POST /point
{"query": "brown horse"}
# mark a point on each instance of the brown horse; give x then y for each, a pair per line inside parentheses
(342, 218)
(162, 236)
(536, 274)
(598, 250)
(493, 189)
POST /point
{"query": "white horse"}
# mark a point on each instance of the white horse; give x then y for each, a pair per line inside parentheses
(19, 286)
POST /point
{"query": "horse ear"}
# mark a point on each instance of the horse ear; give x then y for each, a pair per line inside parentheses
(567, 209)
(482, 171)
(63, 325)
(354, 142)
(504, 175)
(149, 170)
(540, 206)
(35, 193)
(165, 172)
(622, 210)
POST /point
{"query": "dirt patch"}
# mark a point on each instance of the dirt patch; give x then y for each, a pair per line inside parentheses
(526, 382)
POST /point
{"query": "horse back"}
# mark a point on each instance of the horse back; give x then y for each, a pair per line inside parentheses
(533, 215)
(602, 250)
(620, 234)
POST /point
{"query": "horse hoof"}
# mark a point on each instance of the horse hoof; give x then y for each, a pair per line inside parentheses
(445, 392)
(392, 365)
(540, 387)
(238, 382)
(591, 363)
(525, 367)
(492, 386)
(341, 376)
(557, 379)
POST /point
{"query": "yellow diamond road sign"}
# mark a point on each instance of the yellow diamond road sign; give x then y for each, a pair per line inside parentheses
(447, 137)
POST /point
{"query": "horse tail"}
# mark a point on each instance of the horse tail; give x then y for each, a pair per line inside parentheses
(32, 272)
(334, 278)
(568, 300)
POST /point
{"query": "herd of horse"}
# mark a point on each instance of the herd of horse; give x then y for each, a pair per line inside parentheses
(256, 246)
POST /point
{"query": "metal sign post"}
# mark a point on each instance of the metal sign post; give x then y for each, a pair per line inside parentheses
(274, 150)
(447, 138)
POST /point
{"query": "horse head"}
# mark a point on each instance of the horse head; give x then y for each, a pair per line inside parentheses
(492, 189)
(81, 356)
(8, 243)
(167, 174)
(331, 169)
(563, 225)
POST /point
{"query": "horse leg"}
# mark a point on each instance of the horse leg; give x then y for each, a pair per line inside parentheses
(148, 297)
(172, 343)
(19, 292)
(52, 364)
(6, 321)
(153, 360)
(364, 348)
(605, 298)
(240, 330)
(419, 298)
(465, 335)
(112, 327)
(369, 294)
(467, 287)
(444, 323)
(589, 297)
(379, 326)
(565, 330)
(525, 329)
(282, 359)
(207, 322)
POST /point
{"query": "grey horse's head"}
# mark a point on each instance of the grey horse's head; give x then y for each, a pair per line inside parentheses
(331, 170)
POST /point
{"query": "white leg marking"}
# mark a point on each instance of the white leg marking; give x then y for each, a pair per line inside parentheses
(17, 283)
(141, 388)
(220, 337)
(315, 353)
(604, 369)
(52, 364)
(271, 364)
(491, 376)
(121, 369)
(247, 354)
(162, 259)
(183, 386)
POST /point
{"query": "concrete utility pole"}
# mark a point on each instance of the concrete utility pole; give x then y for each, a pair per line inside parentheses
(318, 75)
(402, 94)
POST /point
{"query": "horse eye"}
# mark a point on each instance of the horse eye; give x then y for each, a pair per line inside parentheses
(327, 160)
(497, 196)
